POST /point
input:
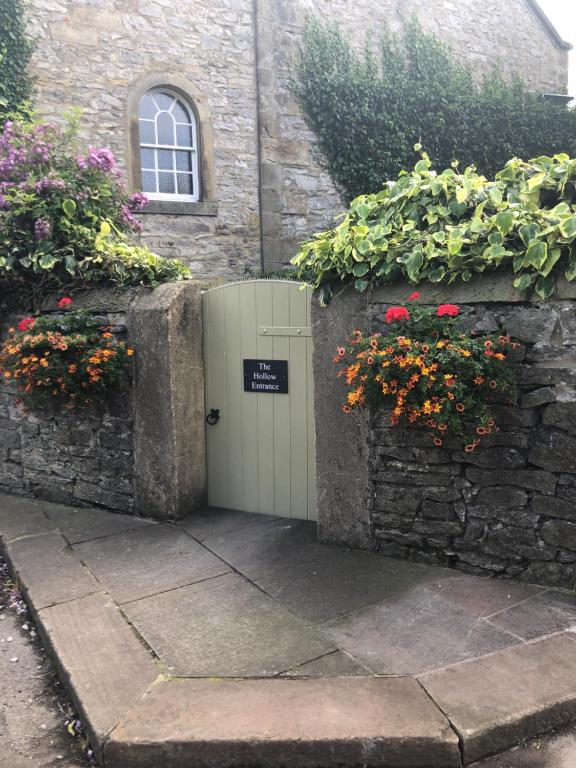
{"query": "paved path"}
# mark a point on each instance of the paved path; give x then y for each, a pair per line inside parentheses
(226, 595)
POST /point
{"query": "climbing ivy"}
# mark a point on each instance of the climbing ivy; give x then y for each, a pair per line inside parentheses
(15, 51)
(368, 109)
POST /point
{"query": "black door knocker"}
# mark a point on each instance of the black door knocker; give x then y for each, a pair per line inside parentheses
(214, 416)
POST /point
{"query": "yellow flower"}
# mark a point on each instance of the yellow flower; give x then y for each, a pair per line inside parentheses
(129, 352)
(44, 363)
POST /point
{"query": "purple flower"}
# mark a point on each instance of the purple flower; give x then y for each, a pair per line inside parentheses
(137, 201)
(130, 220)
(42, 229)
(49, 182)
(99, 159)
(4, 203)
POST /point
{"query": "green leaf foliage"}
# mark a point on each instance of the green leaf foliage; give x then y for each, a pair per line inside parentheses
(367, 111)
(15, 51)
(429, 226)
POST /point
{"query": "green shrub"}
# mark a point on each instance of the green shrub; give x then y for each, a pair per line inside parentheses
(65, 216)
(15, 51)
(367, 112)
(448, 226)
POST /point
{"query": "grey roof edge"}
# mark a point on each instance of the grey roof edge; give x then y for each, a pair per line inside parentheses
(548, 26)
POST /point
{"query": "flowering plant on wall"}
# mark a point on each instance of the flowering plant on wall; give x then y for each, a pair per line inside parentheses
(71, 360)
(66, 217)
(427, 372)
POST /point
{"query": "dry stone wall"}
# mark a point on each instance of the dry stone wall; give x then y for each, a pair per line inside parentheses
(507, 509)
(93, 53)
(82, 458)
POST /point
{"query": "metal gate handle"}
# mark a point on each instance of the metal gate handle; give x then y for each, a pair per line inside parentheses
(214, 416)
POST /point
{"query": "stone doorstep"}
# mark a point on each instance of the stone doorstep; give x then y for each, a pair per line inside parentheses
(495, 701)
(352, 721)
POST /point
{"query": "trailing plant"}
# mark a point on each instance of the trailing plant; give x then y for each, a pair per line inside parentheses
(367, 110)
(69, 360)
(65, 216)
(428, 373)
(15, 50)
(441, 227)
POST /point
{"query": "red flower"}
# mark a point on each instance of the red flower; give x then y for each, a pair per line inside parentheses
(414, 296)
(396, 314)
(26, 324)
(448, 309)
(64, 302)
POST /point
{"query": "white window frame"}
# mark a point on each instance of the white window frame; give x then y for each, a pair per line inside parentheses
(192, 150)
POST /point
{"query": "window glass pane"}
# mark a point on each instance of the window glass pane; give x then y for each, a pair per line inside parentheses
(166, 182)
(183, 136)
(147, 133)
(180, 113)
(147, 158)
(148, 181)
(148, 108)
(185, 186)
(165, 124)
(184, 161)
(165, 159)
(164, 100)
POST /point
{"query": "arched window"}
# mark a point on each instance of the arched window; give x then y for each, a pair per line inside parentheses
(168, 147)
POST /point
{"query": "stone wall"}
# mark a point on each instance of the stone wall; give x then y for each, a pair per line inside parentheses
(84, 459)
(144, 453)
(507, 509)
(235, 65)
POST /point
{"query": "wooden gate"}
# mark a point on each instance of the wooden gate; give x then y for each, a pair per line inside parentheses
(259, 398)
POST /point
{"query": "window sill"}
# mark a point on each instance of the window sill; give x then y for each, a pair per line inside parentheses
(179, 208)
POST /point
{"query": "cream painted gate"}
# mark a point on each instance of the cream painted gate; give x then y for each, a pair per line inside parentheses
(260, 450)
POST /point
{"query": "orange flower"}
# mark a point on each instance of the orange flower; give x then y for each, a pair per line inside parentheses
(460, 407)
(469, 448)
(492, 384)
(370, 361)
(341, 351)
(129, 351)
(481, 430)
(438, 442)
(107, 335)
(425, 348)
(346, 408)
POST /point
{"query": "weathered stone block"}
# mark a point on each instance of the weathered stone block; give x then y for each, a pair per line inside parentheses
(433, 510)
(504, 496)
(502, 458)
(397, 499)
(559, 533)
(532, 479)
(553, 450)
(538, 397)
(551, 506)
(561, 415)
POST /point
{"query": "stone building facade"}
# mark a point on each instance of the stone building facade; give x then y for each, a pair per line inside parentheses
(261, 190)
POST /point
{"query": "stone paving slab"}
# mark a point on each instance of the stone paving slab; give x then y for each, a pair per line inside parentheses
(100, 660)
(416, 632)
(516, 694)
(266, 549)
(495, 596)
(335, 664)
(49, 570)
(544, 614)
(224, 627)
(83, 524)
(136, 564)
(207, 523)
(22, 517)
(333, 586)
(284, 723)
